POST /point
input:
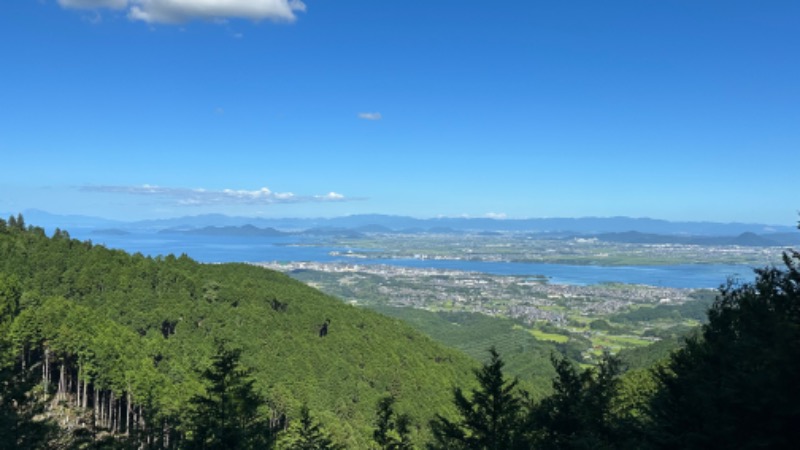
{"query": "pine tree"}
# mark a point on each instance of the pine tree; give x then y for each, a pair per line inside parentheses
(736, 385)
(392, 431)
(490, 420)
(17, 408)
(578, 413)
(308, 434)
(227, 416)
(10, 293)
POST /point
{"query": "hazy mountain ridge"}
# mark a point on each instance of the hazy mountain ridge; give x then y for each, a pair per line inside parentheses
(390, 224)
(244, 230)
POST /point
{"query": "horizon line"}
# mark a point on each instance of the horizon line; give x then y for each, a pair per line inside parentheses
(432, 218)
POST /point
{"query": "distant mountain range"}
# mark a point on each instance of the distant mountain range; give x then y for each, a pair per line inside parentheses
(620, 229)
(244, 230)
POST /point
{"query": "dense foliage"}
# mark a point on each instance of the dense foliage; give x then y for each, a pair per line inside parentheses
(732, 385)
(489, 417)
(524, 356)
(392, 430)
(735, 386)
(124, 340)
(307, 434)
(135, 352)
(227, 415)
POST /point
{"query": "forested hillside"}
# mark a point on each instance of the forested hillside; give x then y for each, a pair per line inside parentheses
(101, 349)
(525, 356)
(126, 338)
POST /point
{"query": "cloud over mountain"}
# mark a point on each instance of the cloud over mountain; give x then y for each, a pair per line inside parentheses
(178, 11)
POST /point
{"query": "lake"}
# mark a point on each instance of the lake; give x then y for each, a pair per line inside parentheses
(218, 249)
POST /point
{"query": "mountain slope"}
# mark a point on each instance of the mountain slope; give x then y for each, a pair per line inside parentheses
(473, 333)
(144, 329)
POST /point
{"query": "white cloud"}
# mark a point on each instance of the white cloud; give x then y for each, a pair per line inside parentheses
(498, 216)
(284, 195)
(330, 196)
(204, 197)
(370, 116)
(93, 4)
(177, 11)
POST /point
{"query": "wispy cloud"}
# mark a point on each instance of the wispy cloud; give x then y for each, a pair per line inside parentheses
(205, 197)
(370, 116)
(178, 11)
(94, 4)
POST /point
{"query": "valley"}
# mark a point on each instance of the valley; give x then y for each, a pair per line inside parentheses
(591, 319)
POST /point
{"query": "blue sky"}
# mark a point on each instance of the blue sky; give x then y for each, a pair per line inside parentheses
(133, 109)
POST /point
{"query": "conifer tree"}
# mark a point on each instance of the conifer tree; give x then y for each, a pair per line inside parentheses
(578, 413)
(17, 408)
(18, 429)
(490, 420)
(227, 416)
(736, 385)
(308, 434)
(10, 293)
(392, 431)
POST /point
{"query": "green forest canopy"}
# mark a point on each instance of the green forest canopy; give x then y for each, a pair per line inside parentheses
(142, 330)
(168, 353)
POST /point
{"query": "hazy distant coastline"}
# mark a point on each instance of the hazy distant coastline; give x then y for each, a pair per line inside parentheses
(367, 223)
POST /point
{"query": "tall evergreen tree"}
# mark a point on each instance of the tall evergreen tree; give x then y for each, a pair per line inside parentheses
(227, 416)
(10, 293)
(307, 434)
(490, 420)
(392, 431)
(578, 413)
(18, 429)
(736, 386)
(17, 408)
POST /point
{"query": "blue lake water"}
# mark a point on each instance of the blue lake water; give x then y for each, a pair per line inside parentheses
(677, 276)
(215, 249)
